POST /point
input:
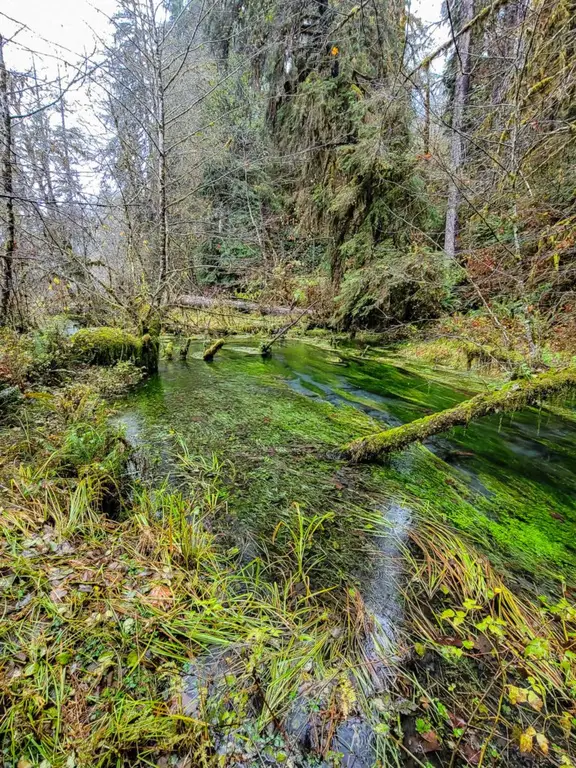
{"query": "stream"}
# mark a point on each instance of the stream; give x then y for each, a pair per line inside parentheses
(278, 420)
(276, 426)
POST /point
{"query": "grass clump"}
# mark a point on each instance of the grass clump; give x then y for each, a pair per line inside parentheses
(493, 667)
(132, 641)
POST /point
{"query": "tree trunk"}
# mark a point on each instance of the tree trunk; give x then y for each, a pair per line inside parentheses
(7, 183)
(511, 397)
(462, 60)
(160, 116)
(212, 349)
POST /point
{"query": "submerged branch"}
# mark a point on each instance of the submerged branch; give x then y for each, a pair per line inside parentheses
(267, 347)
(510, 397)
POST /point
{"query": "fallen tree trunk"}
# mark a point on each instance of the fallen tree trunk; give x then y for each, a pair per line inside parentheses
(212, 349)
(200, 302)
(511, 397)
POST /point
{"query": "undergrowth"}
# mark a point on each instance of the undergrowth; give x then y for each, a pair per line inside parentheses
(135, 633)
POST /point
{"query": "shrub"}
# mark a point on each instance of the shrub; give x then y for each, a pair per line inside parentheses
(397, 287)
(9, 397)
(16, 358)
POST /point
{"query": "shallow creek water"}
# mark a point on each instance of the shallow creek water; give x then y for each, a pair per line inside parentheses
(511, 481)
(277, 425)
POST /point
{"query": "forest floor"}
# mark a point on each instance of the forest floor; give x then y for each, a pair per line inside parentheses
(135, 635)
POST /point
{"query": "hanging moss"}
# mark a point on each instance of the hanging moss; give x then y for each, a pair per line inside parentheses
(107, 346)
(511, 397)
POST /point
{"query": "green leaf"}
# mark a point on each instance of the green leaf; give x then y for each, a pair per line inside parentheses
(538, 648)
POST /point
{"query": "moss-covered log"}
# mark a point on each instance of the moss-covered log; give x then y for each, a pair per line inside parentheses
(185, 349)
(210, 351)
(108, 346)
(510, 397)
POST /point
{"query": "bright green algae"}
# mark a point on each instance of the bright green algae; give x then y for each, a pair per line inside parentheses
(509, 483)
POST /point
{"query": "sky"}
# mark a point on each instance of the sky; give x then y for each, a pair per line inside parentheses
(72, 24)
(52, 23)
(65, 30)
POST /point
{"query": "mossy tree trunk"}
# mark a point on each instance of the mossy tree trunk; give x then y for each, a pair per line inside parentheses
(511, 397)
(212, 349)
(150, 352)
(185, 349)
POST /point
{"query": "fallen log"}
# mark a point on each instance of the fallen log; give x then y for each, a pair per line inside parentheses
(511, 397)
(207, 302)
(212, 349)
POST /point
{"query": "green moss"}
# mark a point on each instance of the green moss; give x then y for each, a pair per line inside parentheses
(107, 346)
(285, 448)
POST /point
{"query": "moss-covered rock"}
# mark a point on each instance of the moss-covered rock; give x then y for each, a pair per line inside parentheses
(107, 346)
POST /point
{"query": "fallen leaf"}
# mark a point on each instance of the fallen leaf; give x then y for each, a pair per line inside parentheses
(430, 742)
(160, 596)
(526, 742)
(542, 742)
(517, 695)
(58, 594)
(456, 722)
(535, 701)
(471, 754)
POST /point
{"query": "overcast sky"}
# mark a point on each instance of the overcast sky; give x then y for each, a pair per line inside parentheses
(72, 24)
(67, 23)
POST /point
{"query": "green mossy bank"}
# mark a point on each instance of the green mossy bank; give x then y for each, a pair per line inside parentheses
(108, 346)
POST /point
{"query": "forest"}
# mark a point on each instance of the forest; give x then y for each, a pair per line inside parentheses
(287, 377)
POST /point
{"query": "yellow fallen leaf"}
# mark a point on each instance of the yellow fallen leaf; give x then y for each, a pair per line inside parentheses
(527, 740)
(517, 695)
(566, 722)
(535, 701)
(542, 742)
